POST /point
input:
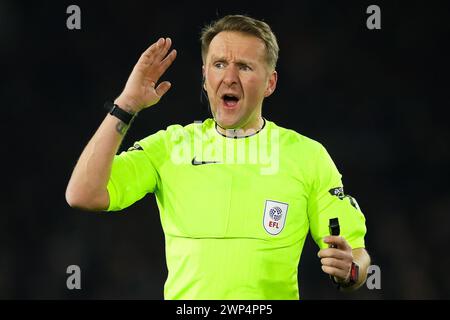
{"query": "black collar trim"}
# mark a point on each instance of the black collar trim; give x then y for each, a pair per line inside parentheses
(236, 137)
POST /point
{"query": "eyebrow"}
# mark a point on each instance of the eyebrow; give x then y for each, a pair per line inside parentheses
(238, 62)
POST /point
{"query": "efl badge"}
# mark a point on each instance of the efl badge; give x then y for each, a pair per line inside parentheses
(274, 216)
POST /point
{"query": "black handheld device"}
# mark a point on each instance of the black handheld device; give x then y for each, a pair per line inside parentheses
(334, 229)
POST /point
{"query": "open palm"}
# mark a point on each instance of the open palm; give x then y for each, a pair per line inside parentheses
(140, 90)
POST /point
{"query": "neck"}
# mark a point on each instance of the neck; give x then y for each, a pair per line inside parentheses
(242, 132)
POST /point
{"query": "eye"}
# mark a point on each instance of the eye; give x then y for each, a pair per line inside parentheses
(245, 67)
(219, 65)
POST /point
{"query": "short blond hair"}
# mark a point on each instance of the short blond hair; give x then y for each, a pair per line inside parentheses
(246, 25)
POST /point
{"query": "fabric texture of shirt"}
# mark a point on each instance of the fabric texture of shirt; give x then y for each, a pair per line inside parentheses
(235, 212)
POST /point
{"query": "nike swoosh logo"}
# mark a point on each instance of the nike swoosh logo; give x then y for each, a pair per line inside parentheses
(197, 163)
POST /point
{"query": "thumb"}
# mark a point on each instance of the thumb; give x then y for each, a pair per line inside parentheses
(162, 88)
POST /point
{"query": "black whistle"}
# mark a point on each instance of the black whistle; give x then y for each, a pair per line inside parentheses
(334, 229)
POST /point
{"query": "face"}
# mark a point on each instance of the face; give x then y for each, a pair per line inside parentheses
(237, 79)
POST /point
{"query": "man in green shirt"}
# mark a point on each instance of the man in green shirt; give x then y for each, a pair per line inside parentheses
(237, 194)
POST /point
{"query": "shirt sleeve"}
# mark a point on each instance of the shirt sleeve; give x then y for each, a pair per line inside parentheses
(327, 200)
(134, 172)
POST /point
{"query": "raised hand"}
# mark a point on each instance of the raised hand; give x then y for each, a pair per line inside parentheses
(140, 91)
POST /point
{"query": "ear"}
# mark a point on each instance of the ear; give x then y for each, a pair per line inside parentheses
(272, 84)
(204, 77)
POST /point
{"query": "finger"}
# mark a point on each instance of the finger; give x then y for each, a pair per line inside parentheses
(333, 253)
(162, 88)
(151, 48)
(338, 241)
(164, 48)
(336, 263)
(161, 49)
(167, 62)
(148, 56)
(334, 272)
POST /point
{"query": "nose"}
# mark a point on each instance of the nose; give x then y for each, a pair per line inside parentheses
(231, 75)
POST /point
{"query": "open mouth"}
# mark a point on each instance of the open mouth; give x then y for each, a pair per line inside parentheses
(230, 100)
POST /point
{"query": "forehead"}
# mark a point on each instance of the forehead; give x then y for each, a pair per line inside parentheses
(236, 45)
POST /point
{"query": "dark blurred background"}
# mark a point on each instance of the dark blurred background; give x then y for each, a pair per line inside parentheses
(375, 98)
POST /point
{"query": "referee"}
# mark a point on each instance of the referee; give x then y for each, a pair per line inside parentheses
(237, 194)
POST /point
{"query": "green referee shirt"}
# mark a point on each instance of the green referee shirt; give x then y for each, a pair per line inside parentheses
(235, 212)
